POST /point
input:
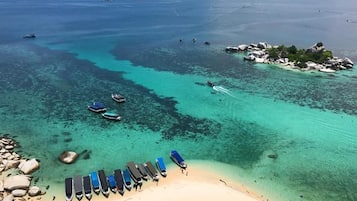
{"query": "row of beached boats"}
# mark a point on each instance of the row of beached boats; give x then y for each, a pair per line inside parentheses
(132, 175)
(99, 107)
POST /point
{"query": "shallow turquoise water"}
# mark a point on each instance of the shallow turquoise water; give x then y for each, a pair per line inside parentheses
(307, 120)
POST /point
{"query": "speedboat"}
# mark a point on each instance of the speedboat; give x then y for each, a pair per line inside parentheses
(32, 35)
(176, 157)
(118, 98)
(111, 116)
(211, 84)
(97, 107)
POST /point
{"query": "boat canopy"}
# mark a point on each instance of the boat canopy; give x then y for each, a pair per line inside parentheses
(160, 162)
(97, 105)
(177, 156)
(95, 181)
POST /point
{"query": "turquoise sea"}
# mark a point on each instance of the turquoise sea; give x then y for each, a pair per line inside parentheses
(86, 50)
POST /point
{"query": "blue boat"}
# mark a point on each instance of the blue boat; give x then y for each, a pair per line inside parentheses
(112, 183)
(127, 179)
(97, 107)
(119, 180)
(161, 166)
(95, 182)
(176, 157)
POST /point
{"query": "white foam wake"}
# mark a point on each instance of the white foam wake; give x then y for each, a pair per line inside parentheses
(223, 90)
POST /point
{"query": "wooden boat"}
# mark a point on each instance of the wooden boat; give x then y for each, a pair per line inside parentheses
(119, 180)
(111, 116)
(78, 187)
(103, 183)
(97, 107)
(95, 182)
(69, 188)
(161, 166)
(127, 179)
(112, 183)
(134, 172)
(142, 171)
(118, 98)
(176, 157)
(87, 187)
(151, 170)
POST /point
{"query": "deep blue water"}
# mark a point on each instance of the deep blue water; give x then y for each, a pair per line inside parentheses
(85, 50)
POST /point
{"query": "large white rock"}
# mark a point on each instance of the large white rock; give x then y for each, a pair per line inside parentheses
(17, 182)
(19, 192)
(29, 166)
(11, 164)
(34, 190)
(68, 157)
(1, 186)
(9, 197)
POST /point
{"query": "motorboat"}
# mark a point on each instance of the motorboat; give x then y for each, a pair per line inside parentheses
(118, 98)
(111, 116)
(97, 107)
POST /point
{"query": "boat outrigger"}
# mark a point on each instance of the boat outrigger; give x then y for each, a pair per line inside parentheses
(111, 116)
(118, 98)
(69, 188)
(97, 107)
(176, 157)
(161, 166)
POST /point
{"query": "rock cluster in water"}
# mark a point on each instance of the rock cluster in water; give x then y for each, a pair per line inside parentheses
(259, 53)
(18, 182)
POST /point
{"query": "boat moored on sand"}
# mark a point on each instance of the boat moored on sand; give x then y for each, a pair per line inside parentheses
(69, 188)
(161, 166)
(176, 157)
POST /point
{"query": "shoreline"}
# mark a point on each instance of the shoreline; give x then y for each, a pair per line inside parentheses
(194, 183)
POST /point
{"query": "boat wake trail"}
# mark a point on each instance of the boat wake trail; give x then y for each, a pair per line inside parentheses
(223, 90)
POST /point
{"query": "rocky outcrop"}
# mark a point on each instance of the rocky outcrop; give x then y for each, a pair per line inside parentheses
(68, 157)
(17, 182)
(29, 166)
(258, 53)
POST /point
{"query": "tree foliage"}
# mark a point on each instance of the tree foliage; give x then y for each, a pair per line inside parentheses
(299, 56)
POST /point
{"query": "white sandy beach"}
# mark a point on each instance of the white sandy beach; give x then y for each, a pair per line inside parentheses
(193, 184)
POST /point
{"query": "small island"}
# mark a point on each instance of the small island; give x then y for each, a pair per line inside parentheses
(313, 58)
